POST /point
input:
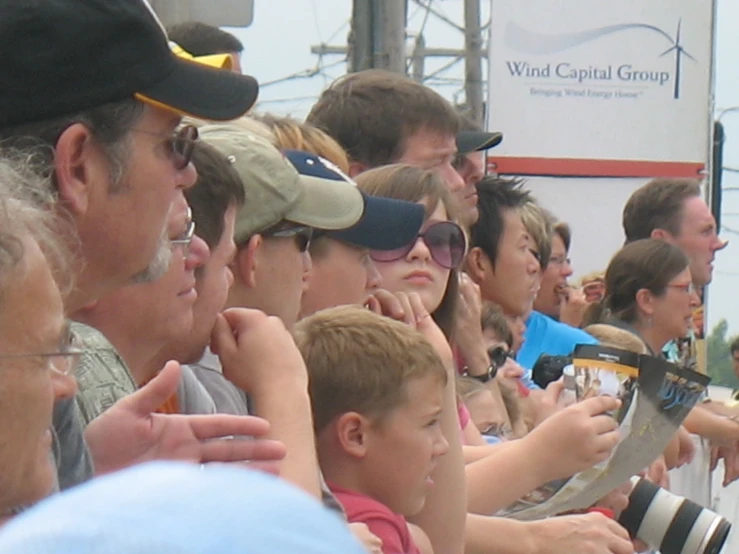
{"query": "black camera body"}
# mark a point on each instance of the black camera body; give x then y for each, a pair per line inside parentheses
(548, 369)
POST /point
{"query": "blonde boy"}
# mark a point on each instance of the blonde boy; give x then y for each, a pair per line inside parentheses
(376, 388)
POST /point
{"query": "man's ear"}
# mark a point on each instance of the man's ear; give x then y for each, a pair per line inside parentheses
(477, 264)
(80, 165)
(352, 430)
(245, 262)
(662, 234)
(355, 168)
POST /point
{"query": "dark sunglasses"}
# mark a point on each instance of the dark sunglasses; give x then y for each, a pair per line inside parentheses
(499, 356)
(445, 240)
(302, 234)
(180, 145)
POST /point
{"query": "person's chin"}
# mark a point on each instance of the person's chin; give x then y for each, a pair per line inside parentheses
(42, 478)
(418, 500)
(471, 214)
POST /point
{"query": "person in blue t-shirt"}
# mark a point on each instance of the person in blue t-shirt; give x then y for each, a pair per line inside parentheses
(544, 335)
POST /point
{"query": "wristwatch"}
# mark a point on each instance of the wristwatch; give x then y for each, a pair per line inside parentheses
(489, 375)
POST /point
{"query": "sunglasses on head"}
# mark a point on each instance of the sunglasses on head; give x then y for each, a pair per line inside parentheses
(302, 234)
(445, 240)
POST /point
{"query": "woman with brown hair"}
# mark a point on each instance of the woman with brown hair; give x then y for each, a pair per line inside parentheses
(649, 291)
(428, 265)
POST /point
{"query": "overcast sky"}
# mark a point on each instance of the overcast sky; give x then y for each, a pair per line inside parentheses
(278, 46)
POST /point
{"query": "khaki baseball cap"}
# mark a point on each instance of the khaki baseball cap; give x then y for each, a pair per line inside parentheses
(276, 192)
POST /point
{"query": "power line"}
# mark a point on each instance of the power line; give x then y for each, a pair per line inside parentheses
(419, 42)
(303, 74)
(442, 69)
(729, 230)
(315, 20)
(441, 16)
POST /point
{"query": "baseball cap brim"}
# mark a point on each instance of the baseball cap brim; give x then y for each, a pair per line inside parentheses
(475, 141)
(327, 205)
(386, 224)
(201, 91)
(219, 61)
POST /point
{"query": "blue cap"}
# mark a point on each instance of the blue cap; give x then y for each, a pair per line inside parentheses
(168, 507)
(386, 224)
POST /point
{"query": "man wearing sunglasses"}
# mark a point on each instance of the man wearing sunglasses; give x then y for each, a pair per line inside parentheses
(97, 113)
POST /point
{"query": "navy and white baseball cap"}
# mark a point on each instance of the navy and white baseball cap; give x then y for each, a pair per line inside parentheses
(386, 223)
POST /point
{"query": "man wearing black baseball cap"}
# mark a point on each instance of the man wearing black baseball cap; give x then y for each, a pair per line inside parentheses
(96, 81)
(92, 95)
(472, 142)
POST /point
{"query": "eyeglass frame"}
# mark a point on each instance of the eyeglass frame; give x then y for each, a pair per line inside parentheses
(73, 351)
(184, 239)
(294, 230)
(422, 235)
(688, 288)
(556, 260)
(493, 354)
(180, 157)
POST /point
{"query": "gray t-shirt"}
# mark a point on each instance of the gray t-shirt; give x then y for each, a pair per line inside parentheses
(230, 399)
(72, 457)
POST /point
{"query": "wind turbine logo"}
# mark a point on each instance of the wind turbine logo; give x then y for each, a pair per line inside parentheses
(679, 53)
(540, 44)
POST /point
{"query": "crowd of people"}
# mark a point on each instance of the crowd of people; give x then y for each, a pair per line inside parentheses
(227, 331)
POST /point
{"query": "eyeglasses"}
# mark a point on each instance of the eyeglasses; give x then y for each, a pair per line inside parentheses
(303, 235)
(560, 260)
(180, 145)
(185, 239)
(498, 356)
(688, 288)
(500, 430)
(445, 240)
(63, 362)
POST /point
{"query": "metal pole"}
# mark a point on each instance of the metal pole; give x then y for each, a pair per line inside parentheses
(473, 60)
(360, 37)
(419, 57)
(389, 34)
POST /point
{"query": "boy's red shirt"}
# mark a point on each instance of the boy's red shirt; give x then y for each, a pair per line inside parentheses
(390, 527)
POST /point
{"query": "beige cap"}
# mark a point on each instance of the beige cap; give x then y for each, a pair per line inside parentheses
(276, 191)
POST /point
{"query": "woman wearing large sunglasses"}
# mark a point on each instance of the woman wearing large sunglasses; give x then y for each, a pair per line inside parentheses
(428, 265)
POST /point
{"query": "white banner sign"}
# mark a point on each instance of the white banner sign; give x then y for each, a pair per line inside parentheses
(601, 87)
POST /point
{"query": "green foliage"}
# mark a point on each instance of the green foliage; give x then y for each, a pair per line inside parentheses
(719, 365)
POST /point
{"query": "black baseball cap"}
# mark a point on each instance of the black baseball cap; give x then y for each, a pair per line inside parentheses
(64, 56)
(475, 141)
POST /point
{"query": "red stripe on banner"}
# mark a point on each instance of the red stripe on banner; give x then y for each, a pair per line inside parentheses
(559, 167)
